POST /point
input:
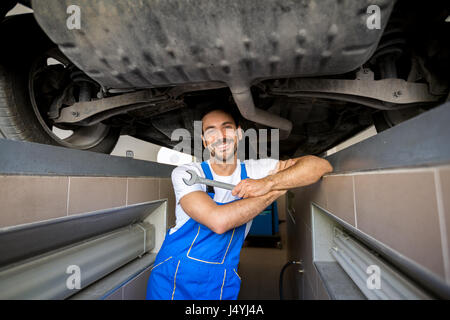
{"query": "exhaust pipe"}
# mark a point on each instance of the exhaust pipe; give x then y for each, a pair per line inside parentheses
(246, 106)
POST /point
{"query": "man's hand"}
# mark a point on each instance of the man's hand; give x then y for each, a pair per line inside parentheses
(248, 188)
(292, 173)
(258, 187)
(282, 164)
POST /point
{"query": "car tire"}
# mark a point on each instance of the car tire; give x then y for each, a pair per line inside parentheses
(18, 119)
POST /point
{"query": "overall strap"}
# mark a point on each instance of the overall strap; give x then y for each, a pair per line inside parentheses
(243, 171)
(208, 175)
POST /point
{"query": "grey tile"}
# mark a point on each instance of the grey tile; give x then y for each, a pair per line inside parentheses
(142, 190)
(317, 193)
(166, 191)
(304, 196)
(339, 194)
(136, 289)
(94, 193)
(26, 199)
(400, 210)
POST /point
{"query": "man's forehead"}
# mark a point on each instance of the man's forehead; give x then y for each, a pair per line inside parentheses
(216, 118)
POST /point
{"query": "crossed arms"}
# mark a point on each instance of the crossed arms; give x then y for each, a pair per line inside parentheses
(257, 194)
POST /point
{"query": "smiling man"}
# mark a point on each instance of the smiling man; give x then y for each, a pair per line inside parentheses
(200, 254)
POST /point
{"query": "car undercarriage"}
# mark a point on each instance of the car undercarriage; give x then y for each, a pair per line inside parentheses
(315, 70)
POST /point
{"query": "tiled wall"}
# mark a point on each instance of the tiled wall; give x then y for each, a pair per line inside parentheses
(26, 199)
(407, 209)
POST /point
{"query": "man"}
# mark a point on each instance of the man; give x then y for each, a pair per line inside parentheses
(200, 255)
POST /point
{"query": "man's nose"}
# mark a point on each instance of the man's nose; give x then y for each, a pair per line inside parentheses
(227, 132)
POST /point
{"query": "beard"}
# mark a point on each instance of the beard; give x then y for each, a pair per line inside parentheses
(227, 156)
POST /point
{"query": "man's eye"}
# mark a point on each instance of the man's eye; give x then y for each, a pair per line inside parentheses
(210, 133)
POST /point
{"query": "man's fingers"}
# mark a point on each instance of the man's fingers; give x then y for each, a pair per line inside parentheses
(243, 189)
(236, 189)
(291, 162)
(279, 165)
(284, 164)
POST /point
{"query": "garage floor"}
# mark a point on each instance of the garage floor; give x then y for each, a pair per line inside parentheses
(260, 270)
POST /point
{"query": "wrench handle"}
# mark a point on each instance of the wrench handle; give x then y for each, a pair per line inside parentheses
(218, 184)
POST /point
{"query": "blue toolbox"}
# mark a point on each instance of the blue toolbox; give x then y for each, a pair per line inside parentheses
(266, 223)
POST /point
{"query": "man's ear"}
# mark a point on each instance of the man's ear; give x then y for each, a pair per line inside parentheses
(204, 141)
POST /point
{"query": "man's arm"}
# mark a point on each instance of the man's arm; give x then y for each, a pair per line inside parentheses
(294, 173)
(221, 218)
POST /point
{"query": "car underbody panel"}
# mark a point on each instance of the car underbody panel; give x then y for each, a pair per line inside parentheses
(136, 44)
(313, 69)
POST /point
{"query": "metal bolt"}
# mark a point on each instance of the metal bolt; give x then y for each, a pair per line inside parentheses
(397, 94)
(75, 113)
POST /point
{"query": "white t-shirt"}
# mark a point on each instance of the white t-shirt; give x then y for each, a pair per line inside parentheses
(256, 169)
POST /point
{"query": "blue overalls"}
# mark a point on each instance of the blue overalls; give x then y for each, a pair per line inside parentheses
(194, 263)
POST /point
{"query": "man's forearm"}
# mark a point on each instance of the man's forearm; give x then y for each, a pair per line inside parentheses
(307, 170)
(237, 213)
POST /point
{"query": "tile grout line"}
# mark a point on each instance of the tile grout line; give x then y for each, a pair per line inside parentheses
(68, 197)
(126, 194)
(389, 171)
(354, 202)
(442, 225)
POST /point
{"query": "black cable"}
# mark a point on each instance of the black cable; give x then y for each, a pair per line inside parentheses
(280, 283)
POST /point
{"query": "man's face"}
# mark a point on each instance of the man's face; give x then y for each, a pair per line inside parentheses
(220, 135)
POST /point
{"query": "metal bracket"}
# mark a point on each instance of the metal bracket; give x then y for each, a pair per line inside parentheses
(128, 101)
(82, 110)
(396, 91)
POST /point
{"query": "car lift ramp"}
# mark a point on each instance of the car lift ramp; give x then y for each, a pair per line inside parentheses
(420, 142)
(108, 247)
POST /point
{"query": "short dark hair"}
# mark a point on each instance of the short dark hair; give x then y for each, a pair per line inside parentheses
(230, 110)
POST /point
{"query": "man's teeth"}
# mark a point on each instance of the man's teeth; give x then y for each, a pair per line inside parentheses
(223, 146)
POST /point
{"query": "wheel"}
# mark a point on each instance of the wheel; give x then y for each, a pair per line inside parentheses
(33, 73)
(385, 119)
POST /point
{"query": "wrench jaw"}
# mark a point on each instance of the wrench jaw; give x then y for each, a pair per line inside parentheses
(193, 178)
